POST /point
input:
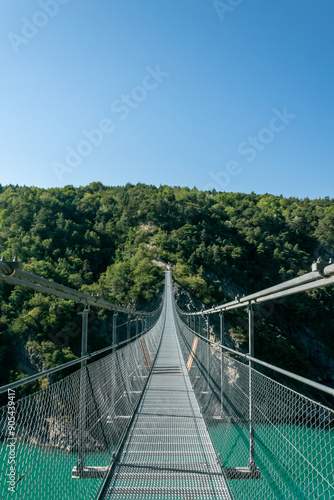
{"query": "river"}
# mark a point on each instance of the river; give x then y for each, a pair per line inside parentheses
(287, 472)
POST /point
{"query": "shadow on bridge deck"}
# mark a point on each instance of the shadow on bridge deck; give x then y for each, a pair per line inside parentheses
(168, 452)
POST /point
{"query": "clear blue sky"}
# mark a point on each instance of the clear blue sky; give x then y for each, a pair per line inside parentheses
(237, 95)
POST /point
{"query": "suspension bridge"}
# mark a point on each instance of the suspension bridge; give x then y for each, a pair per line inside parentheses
(169, 412)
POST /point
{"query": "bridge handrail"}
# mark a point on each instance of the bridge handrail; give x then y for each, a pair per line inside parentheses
(311, 383)
(8, 271)
(81, 419)
(39, 284)
(322, 276)
(50, 371)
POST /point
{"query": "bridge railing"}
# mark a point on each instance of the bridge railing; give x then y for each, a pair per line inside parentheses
(61, 441)
(273, 441)
(11, 273)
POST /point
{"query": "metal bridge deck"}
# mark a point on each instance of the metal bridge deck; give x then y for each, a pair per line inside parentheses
(168, 453)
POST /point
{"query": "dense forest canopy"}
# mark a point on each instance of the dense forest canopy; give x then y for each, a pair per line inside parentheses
(107, 241)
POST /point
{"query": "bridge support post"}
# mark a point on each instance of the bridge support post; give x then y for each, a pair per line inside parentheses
(82, 400)
(114, 328)
(251, 471)
(222, 328)
(128, 327)
(251, 461)
(208, 350)
(137, 321)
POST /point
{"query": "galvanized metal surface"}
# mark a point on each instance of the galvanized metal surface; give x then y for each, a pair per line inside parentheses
(168, 453)
(321, 275)
(12, 274)
(52, 430)
(291, 435)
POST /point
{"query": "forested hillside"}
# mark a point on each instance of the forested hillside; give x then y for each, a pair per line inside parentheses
(106, 240)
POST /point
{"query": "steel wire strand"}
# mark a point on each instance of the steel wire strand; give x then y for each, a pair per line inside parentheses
(47, 424)
(294, 438)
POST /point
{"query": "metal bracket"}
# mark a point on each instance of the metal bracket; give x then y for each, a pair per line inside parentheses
(90, 472)
(242, 472)
(319, 266)
(11, 267)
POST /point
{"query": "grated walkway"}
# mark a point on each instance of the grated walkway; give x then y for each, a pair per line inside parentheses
(168, 453)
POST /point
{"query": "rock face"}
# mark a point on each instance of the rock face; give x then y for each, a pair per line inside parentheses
(28, 359)
(184, 300)
(159, 263)
(188, 303)
(322, 363)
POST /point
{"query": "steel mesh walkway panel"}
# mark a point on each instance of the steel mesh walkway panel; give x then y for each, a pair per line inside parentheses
(168, 452)
(293, 435)
(198, 404)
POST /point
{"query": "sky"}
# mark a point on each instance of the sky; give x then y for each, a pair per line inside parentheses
(232, 95)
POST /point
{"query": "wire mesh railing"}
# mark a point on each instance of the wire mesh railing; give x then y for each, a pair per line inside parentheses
(61, 441)
(167, 453)
(274, 443)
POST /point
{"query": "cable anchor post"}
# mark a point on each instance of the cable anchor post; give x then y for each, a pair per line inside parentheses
(251, 461)
(82, 400)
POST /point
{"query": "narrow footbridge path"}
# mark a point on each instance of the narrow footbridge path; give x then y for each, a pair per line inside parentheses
(168, 453)
(169, 413)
